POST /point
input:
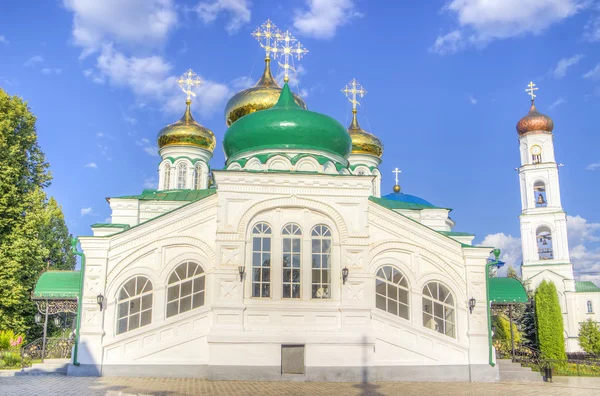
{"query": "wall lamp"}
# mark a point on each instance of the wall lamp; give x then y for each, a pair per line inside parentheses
(242, 270)
(100, 301)
(345, 275)
(472, 303)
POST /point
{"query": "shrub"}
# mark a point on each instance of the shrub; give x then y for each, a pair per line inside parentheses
(589, 337)
(549, 322)
(10, 341)
(502, 329)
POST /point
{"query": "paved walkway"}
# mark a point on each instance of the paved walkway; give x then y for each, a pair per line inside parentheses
(89, 386)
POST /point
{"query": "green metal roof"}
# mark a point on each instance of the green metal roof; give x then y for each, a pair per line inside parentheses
(455, 233)
(586, 287)
(171, 195)
(110, 225)
(58, 285)
(392, 204)
(507, 290)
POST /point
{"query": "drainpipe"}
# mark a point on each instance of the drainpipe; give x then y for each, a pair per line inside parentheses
(489, 303)
(74, 242)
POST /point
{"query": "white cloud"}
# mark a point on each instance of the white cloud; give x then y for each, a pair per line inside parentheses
(237, 10)
(472, 100)
(324, 17)
(86, 211)
(47, 70)
(510, 247)
(91, 165)
(591, 31)
(593, 166)
(130, 120)
(557, 102)
(243, 82)
(563, 65)
(148, 147)
(482, 21)
(584, 238)
(151, 183)
(33, 61)
(594, 73)
(131, 22)
(3, 40)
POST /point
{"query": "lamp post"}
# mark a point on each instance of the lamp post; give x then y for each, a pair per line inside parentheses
(488, 303)
(38, 320)
(74, 242)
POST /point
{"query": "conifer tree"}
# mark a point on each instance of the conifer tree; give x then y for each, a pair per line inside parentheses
(549, 322)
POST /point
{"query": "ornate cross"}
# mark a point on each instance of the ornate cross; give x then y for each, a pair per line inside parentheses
(187, 81)
(352, 90)
(531, 88)
(288, 46)
(397, 171)
(267, 35)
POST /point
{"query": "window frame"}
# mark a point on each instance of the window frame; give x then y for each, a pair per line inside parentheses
(291, 232)
(198, 176)
(130, 299)
(167, 178)
(590, 307)
(260, 232)
(181, 176)
(402, 284)
(444, 305)
(199, 275)
(324, 234)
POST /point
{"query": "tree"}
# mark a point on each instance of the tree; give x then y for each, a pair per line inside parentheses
(528, 325)
(589, 337)
(32, 230)
(502, 329)
(549, 322)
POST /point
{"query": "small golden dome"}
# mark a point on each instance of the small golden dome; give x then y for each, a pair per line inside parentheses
(187, 132)
(396, 188)
(363, 142)
(535, 122)
(261, 96)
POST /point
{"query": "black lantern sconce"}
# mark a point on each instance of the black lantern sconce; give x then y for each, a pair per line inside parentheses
(472, 303)
(241, 270)
(57, 321)
(100, 301)
(38, 318)
(345, 275)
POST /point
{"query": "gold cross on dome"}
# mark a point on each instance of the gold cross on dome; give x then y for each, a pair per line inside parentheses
(267, 35)
(397, 171)
(352, 90)
(187, 81)
(531, 88)
(289, 47)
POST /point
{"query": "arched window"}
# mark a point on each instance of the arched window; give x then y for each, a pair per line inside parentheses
(536, 154)
(361, 172)
(167, 180)
(391, 290)
(438, 309)
(134, 306)
(181, 175)
(321, 261)
(261, 260)
(292, 248)
(198, 176)
(544, 243)
(590, 307)
(539, 193)
(185, 289)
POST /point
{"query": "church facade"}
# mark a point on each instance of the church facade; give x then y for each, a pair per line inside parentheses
(287, 263)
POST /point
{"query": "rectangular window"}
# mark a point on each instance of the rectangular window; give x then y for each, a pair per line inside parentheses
(291, 267)
(321, 268)
(261, 266)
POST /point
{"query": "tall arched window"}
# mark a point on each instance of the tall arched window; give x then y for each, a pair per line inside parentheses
(590, 308)
(292, 248)
(536, 154)
(167, 180)
(198, 176)
(544, 243)
(186, 288)
(261, 260)
(181, 175)
(134, 306)
(438, 309)
(539, 193)
(391, 289)
(321, 261)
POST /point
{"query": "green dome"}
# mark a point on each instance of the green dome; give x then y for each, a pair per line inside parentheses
(287, 126)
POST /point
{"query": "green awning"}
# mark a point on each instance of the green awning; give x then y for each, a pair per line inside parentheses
(507, 290)
(58, 285)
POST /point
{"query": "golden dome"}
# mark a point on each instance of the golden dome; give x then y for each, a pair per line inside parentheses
(261, 96)
(187, 132)
(535, 122)
(363, 142)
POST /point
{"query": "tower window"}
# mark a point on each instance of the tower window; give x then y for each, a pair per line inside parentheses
(539, 192)
(198, 177)
(590, 308)
(167, 182)
(544, 244)
(536, 154)
(181, 175)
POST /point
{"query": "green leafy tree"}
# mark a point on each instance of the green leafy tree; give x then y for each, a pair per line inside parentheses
(501, 325)
(549, 322)
(589, 337)
(32, 229)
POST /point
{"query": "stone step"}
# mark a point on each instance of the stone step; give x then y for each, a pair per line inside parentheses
(49, 367)
(510, 371)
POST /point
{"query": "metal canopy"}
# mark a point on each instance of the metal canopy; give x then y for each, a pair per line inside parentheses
(58, 285)
(507, 291)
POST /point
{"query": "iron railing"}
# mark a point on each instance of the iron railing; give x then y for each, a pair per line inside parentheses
(56, 348)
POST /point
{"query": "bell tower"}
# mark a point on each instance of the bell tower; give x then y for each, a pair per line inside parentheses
(543, 220)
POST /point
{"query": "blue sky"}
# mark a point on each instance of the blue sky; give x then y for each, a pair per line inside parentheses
(445, 83)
